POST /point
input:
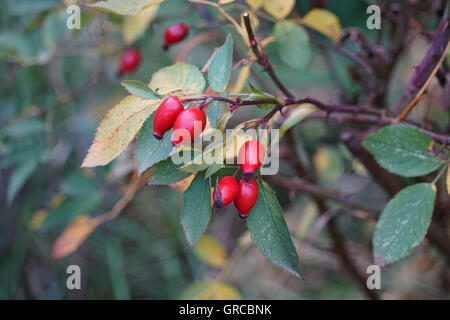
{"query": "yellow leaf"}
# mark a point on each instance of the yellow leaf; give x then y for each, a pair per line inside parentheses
(73, 236)
(118, 129)
(279, 9)
(310, 214)
(210, 251)
(182, 185)
(324, 22)
(129, 7)
(255, 4)
(210, 290)
(448, 179)
(322, 159)
(178, 77)
(57, 200)
(225, 1)
(37, 219)
(134, 27)
(241, 80)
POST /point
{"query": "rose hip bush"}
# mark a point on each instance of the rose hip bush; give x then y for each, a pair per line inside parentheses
(361, 134)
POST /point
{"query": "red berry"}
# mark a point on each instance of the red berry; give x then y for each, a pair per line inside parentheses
(165, 116)
(246, 197)
(188, 125)
(225, 191)
(251, 155)
(175, 33)
(130, 60)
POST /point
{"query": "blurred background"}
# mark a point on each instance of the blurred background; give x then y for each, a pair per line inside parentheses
(57, 84)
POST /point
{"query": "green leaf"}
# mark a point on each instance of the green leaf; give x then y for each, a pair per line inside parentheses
(19, 177)
(28, 7)
(196, 210)
(140, 89)
(178, 77)
(25, 127)
(216, 111)
(270, 233)
(259, 94)
(54, 29)
(129, 7)
(293, 44)
(166, 172)
(220, 67)
(403, 223)
(149, 149)
(16, 47)
(402, 150)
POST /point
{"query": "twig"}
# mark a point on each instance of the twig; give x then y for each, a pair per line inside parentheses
(262, 57)
(426, 70)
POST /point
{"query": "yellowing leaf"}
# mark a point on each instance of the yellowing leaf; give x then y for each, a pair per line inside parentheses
(279, 9)
(182, 185)
(73, 236)
(210, 290)
(37, 219)
(324, 22)
(178, 77)
(118, 129)
(225, 1)
(57, 200)
(129, 7)
(241, 80)
(448, 179)
(134, 27)
(210, 251)
(322, 159)
(309, 215)
(255, 4)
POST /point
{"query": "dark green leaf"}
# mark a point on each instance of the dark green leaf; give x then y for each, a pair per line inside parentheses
(220, 67)
(270, 233)
(293, 44)
(196, 210)
(149, 149)
(402, 150)
(19, 177)
(140, 89)
(403, 223)
(166, 172)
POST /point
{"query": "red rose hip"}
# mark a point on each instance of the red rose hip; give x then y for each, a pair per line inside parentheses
(129, 61)
(251, 156)
(175, 33)
(225, 191)
(165, 116)
(189, 124)
(246, 197)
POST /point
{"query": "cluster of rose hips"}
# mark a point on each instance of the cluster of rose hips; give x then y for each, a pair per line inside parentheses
(244, 192)
(171, 114)
(131, 59)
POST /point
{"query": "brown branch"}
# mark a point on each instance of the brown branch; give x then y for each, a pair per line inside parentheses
(262, 57)
(427, 68)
